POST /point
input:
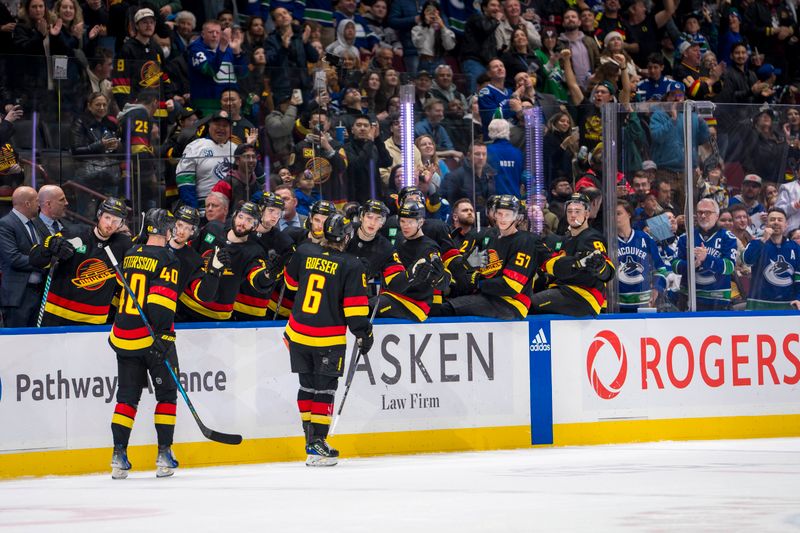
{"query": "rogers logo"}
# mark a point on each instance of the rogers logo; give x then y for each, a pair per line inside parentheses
(602, 339)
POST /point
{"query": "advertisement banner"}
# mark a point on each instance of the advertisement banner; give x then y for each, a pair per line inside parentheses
(57, 391)
(675, 368)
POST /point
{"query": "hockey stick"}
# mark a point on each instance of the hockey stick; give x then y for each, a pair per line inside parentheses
(45, 293)
(280, 300)
(352, 372)
(216, 436)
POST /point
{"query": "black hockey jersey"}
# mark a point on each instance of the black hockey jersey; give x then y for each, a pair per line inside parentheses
(331, 289)
(138, 67)
(152, 272)
(418, 299)
(252, 304)
(562, 265)
(381, 261)
(84, 285)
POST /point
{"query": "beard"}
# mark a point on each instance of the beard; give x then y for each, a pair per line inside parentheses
(241, 232)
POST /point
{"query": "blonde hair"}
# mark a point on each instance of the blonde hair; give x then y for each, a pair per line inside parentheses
(78, 12)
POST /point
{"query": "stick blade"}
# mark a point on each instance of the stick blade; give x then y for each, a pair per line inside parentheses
(222, 438)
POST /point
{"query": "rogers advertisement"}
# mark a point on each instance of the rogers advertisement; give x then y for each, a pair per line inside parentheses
(675, 367)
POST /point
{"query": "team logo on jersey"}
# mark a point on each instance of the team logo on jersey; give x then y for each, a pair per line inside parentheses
(779, 272)
(222, 169)
(493, 264)
(320, 169)
(705, 277)
(150, 75)
(92, 274)
(630, 272)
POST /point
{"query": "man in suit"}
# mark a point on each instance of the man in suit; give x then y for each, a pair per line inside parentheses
(21, 287)
(52, 208)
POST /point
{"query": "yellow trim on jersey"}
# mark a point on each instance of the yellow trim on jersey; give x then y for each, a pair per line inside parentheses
(168, 420)
(414, 309)
(550, 263)
(519, 306)
(121, 89)
(63, 312)
(586, 295)
(515, 285)
(130, 345)
(437, 299)
(197, 308)
(282, 312)
(305, 417)
(122, 420)
(161, 300)
(251, 310)
(307, 340)
(388, 279)
(321, 419)
(359, 310)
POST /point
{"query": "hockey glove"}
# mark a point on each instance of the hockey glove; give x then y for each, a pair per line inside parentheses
(162, 343)
(436, 275)
(365, 343)
(421, 273)
(219, 262)
(274, 266)
(59, 247)
(596, 263)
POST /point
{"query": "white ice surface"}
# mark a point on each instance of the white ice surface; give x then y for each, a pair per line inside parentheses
(741, 485)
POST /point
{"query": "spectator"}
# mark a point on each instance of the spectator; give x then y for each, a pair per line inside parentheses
(241, 184)
(280, 124)
(393, 148)
(713, 258)
(613, 49)
(519, 56)
(432, 125)
(494, 100)
(732, 35)
(795, 235)
(655, 85)
(743, 227)
(21, 290)
(384, 56)
(560, 145)
(288, 51)
(205, 161)
(700, 84)
(643, 28)
(431, 37)
(95, 145)
(641, 186)
(98, 77)
(560, 192)
(506, 159)
(183, 33)
(389, 42)
(765, 147)
(390, 86)
(217, 207)
(365, 40)
(433, 168)
(350, 109)
(422, 92)
(712, 184)
(789, 201)
(284, 176)
(136, 121)
(364, 157)
(403, 15)
(443, 87)
(584, 51)
(291, 218)
(609, 20)
(322, 156)
(480, 43)
(474, 179)
(370, 87)
(512, 20)
(216, 60)
(345, 40)
(305, 193)
(11, 172)
(751, 189)
(255, 34)
(95, 15)
(458, 126)
(640, 270)
(775, 263)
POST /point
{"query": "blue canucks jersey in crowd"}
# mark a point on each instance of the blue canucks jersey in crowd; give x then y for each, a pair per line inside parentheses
(776, 273)
(639, 270)
(713, 276)
(493, 103)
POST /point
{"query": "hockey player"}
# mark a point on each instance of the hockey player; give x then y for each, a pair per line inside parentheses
(252, 304)
(152, 272)
(83, 285)
(374, 250)
(421, 257)
(579, 267)
(230, 258)
(775, 262)
(315, 222)
(332, 296)
(714, 258)
(187, 220)
(506, 282)
(641, 272)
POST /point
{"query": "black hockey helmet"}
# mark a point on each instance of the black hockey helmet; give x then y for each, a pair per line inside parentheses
(491, 202)
(507, 201)
(113, 206)
(412, 209)
(270, 199)
(188, 214)
(158, 221)
(250, 209)
(337, 228)
(579, 198)
(373, 206)
(320, 207)
(407, 191)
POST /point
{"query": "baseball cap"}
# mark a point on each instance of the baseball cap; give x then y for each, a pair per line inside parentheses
(766, 71)
(220, 115)
(422, 74)
(649, 165)
(676, 86)
(685, 45)
(610, 35)
(753, 178)
(143, 14)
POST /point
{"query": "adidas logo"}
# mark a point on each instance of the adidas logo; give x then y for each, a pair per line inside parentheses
(540, 342)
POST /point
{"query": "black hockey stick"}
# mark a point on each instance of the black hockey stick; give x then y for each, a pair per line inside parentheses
(216, 436)
(40, 316)
(351, 373)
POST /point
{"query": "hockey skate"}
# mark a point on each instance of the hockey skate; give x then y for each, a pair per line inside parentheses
(165, 462)
(320, 454)
(119, 463)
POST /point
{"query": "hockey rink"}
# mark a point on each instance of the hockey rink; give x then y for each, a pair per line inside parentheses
(735, 485)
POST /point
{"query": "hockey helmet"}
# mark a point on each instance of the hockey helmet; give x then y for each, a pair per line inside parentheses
(373, 206)
(320, 207)
(507, 201)
(405, 192)
(158, 221)
(491, 202)
(579, 198)
(270, 199)
(113, 206)
(249, 209)
(188, 214)
(412, 209)
(337, 228)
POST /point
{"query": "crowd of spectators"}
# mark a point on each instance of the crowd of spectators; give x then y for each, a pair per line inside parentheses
(210, 103)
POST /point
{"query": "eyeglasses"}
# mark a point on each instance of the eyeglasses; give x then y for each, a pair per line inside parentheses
(705, 213)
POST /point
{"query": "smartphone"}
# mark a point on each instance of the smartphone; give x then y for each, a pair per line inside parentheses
(575, 131)
(297, 95)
